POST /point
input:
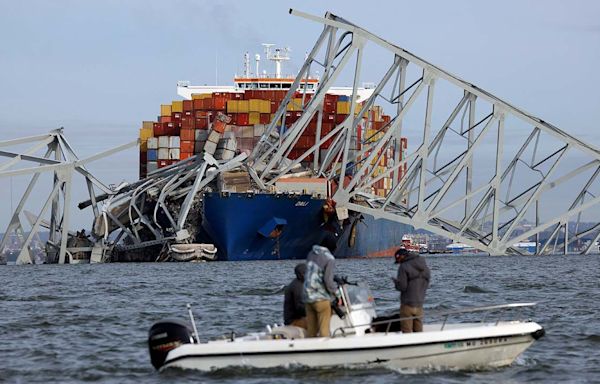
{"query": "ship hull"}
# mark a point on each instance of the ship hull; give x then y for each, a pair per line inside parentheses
(239, 225)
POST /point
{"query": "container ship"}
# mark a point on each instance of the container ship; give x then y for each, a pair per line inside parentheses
(282, 223)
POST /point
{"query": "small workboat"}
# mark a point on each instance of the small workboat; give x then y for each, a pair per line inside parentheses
(358, 338)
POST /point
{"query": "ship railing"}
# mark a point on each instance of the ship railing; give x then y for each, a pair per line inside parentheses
(445, 315)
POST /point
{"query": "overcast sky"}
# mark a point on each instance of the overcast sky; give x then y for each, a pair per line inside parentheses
(100, 68)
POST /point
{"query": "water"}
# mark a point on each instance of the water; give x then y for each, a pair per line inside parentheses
(89, 323)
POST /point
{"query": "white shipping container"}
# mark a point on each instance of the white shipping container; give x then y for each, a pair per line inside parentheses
(229, 135)
(224, 154)
(230, 144)
(174, 154)
(163, 153)
(248, 131)
(259, 129)
(152, 143)
(214, 136)
(210, 147)
(201, 135)
(174, 142)
(163, 142)
(151, 166)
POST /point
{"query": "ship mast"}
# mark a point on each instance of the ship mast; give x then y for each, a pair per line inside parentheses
(278, 56)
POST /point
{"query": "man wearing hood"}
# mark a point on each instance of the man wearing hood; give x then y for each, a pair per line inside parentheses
(319, 287)
(412, 282)
(294, 312)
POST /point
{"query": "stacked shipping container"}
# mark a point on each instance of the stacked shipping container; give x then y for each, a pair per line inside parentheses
(223, 123)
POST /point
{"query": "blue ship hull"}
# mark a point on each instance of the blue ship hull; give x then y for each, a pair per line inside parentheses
(241, 226)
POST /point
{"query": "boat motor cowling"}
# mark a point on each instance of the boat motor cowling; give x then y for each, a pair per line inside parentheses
(165, 336)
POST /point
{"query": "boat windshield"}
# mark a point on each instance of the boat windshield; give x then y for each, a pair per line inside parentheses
(359, 295)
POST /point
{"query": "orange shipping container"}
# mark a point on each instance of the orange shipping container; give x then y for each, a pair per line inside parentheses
(187, 146)
(218, 126)
(219, 101)
(187, 134)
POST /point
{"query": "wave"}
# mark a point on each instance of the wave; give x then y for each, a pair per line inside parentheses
(474, 289)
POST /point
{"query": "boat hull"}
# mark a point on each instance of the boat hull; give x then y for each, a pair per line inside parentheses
(233, 222)
(465, 348)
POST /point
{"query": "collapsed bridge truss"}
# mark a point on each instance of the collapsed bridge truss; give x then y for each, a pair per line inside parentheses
(479, 171)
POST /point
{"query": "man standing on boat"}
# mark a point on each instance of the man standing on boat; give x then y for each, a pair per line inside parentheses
(412, 282)
(294, 312)
(319, 287)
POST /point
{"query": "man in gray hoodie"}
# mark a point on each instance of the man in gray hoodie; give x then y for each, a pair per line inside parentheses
(412, 282)
(319, 287)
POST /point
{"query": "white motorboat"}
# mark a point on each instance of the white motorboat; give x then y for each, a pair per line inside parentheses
(358, 339)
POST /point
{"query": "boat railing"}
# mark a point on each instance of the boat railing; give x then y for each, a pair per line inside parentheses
(444, 315)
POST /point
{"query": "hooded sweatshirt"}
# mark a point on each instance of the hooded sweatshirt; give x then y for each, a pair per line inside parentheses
(318, 282)
(413, 280)
(293, 302)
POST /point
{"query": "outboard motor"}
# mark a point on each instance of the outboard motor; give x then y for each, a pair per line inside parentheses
(165, 336)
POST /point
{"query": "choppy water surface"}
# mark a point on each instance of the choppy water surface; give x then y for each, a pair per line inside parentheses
(89, 323)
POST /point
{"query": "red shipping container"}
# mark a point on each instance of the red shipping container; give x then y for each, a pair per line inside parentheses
(186, 145)
(329, 107)
(187, 134)
(279, 95)
(198, 104)
(329, 118)
(201, 123)
(274, 106)
(163, 163)
(188, 113)
(165, 119)
(328, 143)
(176, 116)
(265, 118)
(242, 119)
(331, 98)
(187, 122)
(171, 129)
(339, 119)
(200, 113)
(207, 104)
(188, 105)
(158, 129)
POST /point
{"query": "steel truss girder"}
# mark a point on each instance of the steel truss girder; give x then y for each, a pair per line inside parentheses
(487, 215)
(62, 162)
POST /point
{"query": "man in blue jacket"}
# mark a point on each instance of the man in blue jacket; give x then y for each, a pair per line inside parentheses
(319, 287)
(412, 282)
